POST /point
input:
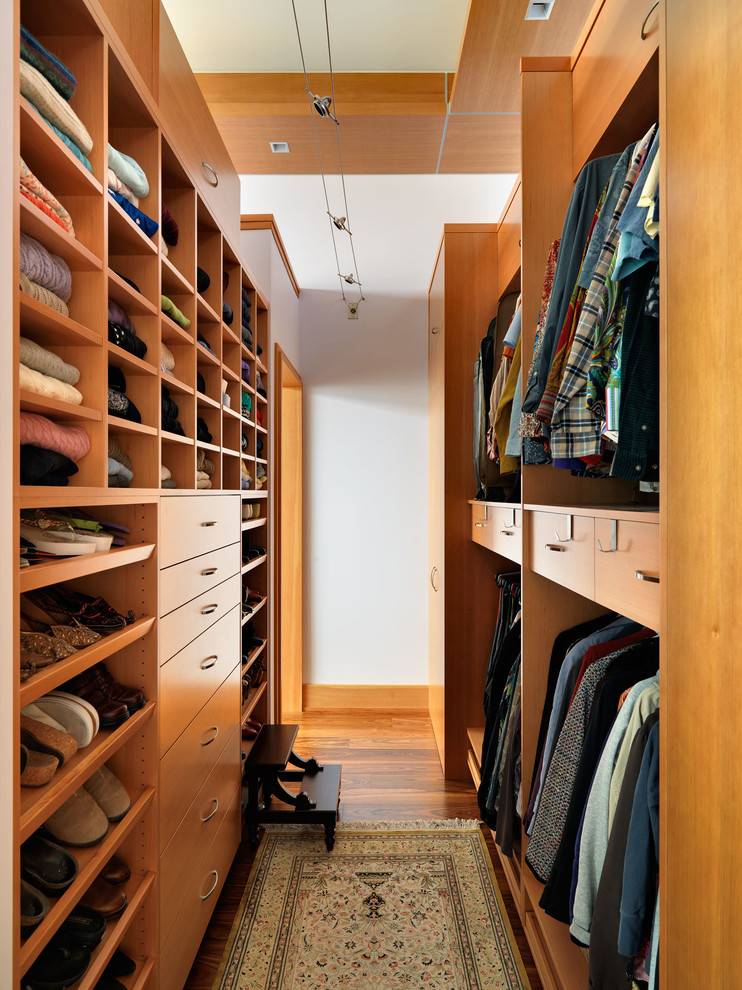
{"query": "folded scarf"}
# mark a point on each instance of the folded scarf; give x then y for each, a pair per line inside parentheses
(45, 467)
(116, 378)
(167, 361)
(129, 282)
(202, 280)
(46, 362)
(117, 481)
(121, 405)
(117, 314)
(169, 227)
(51, 388)
(42, 295)
(170, 309)
(246, 301)
(44, 268)
(245, 371)
(121, 187)
(72, 441)
(116, 451)
(129, 171)
(55, 71)
(147, 224)
(204, 463)
(200, 383)
(165, 474)
(227, 314)
(204, 343)
(168, 483)
(203, 483)
(169, 411)
(201, 476)
(202, 431)
(36, 191)
(126, 340)
(52, 106)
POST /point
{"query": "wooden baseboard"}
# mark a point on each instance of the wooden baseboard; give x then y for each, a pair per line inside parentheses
(376, 696)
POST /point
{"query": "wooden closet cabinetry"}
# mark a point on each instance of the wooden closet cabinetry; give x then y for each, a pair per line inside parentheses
(184, 570)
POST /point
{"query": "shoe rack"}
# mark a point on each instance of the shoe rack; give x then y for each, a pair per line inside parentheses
(108, 249)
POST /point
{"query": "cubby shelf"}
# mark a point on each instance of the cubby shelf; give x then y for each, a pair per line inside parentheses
(252, 656)
(253, 524)
(124, 237)
(256, 609)
(128, 297)
(254, 563)
(172, 280)
(64, 412)
(172, 333)
(252, 701)
(40, 143)
(47, 326)
(177, 438)
(54, 571)
(118, 425)
(36, 224)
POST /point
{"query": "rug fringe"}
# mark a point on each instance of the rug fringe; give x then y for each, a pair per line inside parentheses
(417, 825)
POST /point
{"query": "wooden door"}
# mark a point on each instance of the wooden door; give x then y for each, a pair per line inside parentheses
(436, 485)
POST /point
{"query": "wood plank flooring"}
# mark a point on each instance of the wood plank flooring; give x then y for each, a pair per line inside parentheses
(391, 772)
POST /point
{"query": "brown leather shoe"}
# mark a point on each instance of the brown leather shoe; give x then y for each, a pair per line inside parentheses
(131, 697)
(115, 871)
(102, 897)
(111, 714)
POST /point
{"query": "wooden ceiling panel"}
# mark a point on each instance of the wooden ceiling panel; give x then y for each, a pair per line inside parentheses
(369, 145)
(496, 36)
(482, 143)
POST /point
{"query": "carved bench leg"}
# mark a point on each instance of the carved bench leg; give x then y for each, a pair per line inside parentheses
(329, 835)
(309, 766)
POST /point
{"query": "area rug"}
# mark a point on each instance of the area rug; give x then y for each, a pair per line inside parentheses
(393, 906)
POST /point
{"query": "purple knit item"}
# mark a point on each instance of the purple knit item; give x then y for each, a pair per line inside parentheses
(44, 268)
(72, 441)
(117, 314)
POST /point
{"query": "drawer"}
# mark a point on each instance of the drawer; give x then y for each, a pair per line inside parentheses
(191, 759)
(184, 624)
(507, 532)
(191, 677)
(481, 523)
(180, 948)
(202, 821)
(637, 552)
(191, 525)
(568, 562)
(182, 582)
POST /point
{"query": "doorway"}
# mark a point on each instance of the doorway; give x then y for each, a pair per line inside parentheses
(289, 586)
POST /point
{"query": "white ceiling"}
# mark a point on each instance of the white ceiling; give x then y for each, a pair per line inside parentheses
(260, 35)
(397, 222)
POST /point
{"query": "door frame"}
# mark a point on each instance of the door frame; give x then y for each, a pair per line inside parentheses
(288, 588)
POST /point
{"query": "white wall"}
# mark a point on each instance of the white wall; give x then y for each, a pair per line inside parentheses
(365, 408)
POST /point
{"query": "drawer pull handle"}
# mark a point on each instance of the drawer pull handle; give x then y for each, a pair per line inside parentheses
(215, 802)
(614, 539)
(208, 662)
(479, 525)
(208, 609)
(435, 330)
(555, 549)
(213, 887)
(213, 171)
(648, 14)
(641, 576)
(434, 578)
(215, 730)
(557, 537)
(208, 571)
(506, 532)
(212, 522)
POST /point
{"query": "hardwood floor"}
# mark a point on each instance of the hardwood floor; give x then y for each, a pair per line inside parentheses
(391, 772)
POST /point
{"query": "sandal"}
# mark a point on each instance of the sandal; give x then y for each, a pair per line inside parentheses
(64, 604)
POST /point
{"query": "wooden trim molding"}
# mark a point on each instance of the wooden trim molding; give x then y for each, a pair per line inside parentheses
(266, 221)
(546, 63)
(378, 696)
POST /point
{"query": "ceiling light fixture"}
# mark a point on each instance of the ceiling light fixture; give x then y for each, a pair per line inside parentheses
(280, 147)
(321, 106)
(539, 11)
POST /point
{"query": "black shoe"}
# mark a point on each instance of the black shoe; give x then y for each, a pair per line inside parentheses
(84, 926)
(61, 964)
(47, 866)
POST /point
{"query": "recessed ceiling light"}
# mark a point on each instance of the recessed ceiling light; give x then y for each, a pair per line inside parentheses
(280, 147)
(539, 11)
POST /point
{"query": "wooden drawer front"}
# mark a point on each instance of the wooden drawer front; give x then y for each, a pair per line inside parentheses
(191, 677)
(183, 625)
(185, 581)
(191, 525)
(202, 821)
(481, 524)
(616, 584)
(609, 65)
(181, 946)
(507, 532)
(569, 563)
(190, 760)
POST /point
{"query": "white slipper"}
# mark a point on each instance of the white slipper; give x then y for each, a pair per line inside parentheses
(61, 543)
(78, 716)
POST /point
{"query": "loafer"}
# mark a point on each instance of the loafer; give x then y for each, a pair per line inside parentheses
(111, 714)
(107, 982)
(78, 717)
(37, 769)
(109, 793)
(104, 898)
(115, 872)
(248, 732)
(47, 866)
(120, 965)
(83, 926)
(79, 822)
(61, 964)
(45, 739)
(34, 907)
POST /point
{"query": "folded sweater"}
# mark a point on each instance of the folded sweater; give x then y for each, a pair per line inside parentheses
(52, 68)
(129, 171)
(42, 295)
(44, 268)
(72, 441)
(170, 309)
(120, 187)
(54, 107)
(51, 388)
(39, 195)
(46, 362)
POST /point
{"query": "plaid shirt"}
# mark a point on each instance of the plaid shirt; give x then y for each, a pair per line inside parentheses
(575, 432)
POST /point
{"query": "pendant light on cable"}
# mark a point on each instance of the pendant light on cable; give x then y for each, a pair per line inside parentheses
(321, 106)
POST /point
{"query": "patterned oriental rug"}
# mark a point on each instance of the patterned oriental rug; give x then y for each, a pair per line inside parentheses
(394, 906)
